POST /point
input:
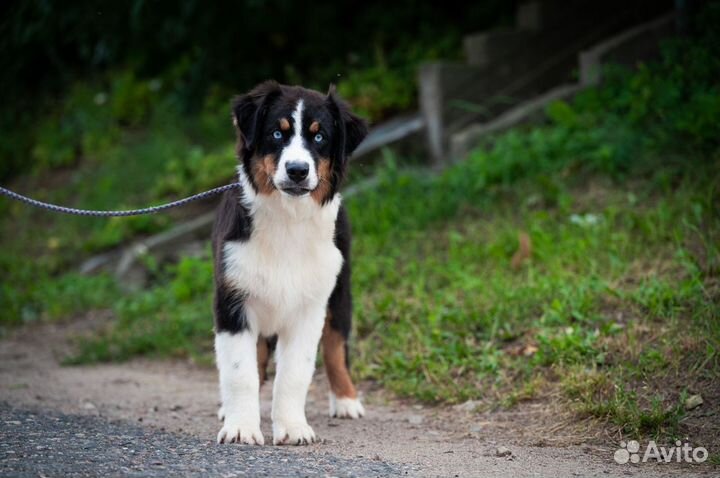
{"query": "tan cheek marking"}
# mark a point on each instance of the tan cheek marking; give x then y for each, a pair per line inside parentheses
(320, 193)
(334, 356)
(263, 172)
(314, 127)
(284, 124)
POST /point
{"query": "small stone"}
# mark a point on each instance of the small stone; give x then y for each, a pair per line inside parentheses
(693, 401)
(468, 406)
(415, 419)
(89, 406)
(502, 451)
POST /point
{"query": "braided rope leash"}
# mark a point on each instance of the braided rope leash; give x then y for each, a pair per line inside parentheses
(129, 212)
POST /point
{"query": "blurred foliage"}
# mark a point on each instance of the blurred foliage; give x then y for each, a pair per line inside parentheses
(174, 329)
(190, 48)
(93, 118)
(388, 85)
(115, 144)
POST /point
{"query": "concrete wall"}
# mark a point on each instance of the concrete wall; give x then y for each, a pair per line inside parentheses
(506, 67)
(639, 43)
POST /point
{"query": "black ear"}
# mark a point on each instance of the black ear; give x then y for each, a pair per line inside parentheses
(249, 112)
(353, 129)
(356, 129)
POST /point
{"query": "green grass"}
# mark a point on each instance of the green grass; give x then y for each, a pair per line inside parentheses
(617, 306)
(172, 320)
(443, 301)
(129, 150)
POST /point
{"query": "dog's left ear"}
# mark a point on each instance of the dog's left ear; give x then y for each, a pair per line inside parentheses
(352, 128)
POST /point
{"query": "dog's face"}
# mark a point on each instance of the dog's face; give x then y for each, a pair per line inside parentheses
(295, 141)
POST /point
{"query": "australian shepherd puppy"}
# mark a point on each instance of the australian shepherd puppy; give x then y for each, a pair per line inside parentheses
(281, 245)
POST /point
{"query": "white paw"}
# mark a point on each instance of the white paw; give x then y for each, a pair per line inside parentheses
(235, 431)
(221, 414)
(293, 434)
(345, 407)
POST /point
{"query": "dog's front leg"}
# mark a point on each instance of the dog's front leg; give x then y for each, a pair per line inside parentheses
(239, 387)
(295, 355)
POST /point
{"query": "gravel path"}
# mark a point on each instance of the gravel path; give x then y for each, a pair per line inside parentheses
(145, 418)
(54, 444)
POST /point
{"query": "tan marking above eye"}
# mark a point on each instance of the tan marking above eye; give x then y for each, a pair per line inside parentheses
(314, 127)
(284, 124)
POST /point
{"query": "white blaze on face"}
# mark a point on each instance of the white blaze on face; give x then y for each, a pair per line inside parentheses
(296, 151)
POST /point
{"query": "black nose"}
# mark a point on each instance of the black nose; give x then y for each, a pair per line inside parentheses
(297, 171)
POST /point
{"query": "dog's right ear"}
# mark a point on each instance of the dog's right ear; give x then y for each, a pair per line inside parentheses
(352, 128)
(249, 111)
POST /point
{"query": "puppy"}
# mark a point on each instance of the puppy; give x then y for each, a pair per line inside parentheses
(281, 247)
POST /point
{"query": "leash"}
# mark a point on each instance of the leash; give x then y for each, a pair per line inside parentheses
(129, 212)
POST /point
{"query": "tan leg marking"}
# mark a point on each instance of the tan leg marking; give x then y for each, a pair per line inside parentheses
(263, 357)
(334, 356)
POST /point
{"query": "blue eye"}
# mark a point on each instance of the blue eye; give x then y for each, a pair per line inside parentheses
(277, 134)
(319, 138)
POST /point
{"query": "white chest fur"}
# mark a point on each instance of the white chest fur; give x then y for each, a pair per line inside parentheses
(290, 264)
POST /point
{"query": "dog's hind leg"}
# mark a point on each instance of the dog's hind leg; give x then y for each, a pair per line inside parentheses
(265, 348)
(344, 402)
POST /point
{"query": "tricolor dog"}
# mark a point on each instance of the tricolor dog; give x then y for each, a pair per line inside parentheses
(282, 261)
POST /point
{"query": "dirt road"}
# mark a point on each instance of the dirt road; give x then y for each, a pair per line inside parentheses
(166, 413)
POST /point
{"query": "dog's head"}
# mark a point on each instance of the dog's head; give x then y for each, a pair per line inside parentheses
(295, 141)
